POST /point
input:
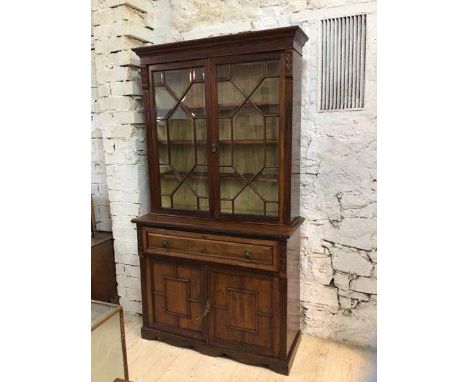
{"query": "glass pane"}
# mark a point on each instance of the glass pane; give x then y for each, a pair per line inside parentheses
(248, 123)
(225, 154)
(246, 76)
(158, 78)
(272, 155)
(201, 153)
(272, 68)
(222, 72)
(161, 131)
(195, 100)
(248, 202)
(107, 360)
(198, 74)
(184, 198)
(163, 151)
(272, 209)
(182, 158)
(272, 128)
(182, 138)
(164, 102)
(177, 81)
(229, 99)
(266, 97)
(226, 207)
(231, 184)
(224, 129)
(204, 204)
(180, 125)
(197, 181)
(248, 160)
(248, 108)
(266, 184)
(200, 127)
(166, 201)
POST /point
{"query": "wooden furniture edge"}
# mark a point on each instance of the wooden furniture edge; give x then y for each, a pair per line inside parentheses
(101, 237)
(295, 33)
(219, 226)
(116, 309)
(282, 366)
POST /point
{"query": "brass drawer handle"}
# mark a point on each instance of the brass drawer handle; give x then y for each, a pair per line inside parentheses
(165, 243)
(248, 254)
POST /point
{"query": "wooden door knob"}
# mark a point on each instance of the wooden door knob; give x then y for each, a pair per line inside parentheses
(165, 243)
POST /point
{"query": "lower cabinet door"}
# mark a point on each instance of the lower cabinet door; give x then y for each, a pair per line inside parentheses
(244, 312)
(176, 298)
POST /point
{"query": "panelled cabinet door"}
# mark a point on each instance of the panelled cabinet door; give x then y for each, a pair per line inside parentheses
(177, 298)
(243, 311)
(248, 110)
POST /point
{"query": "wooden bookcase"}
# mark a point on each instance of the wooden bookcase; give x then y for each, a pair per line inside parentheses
(220, 249)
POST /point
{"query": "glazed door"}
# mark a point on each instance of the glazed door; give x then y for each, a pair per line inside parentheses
(248, 130)
(244, 311)
(176, 298)
(179, 112)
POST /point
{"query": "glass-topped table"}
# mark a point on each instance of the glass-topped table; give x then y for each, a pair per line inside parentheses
(108, 352)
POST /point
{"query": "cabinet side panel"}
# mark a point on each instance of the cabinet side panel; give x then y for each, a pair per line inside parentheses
(293, 304)
(296, 135)
(103, 281)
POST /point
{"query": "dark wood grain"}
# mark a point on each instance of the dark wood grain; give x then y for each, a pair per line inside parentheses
(225, 283)
(176, 293)
(235, 44)
(245, 252)
(103, 278)
(192, 224)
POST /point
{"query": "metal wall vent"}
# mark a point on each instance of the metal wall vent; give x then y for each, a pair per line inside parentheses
(343, 63)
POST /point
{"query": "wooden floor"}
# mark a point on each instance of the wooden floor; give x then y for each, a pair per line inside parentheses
(317, 360)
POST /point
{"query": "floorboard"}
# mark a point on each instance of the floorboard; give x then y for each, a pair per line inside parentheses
(317, 360)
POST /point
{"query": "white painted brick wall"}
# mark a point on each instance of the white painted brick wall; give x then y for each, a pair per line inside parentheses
(119, 26)
(99, 190)
(338, 162)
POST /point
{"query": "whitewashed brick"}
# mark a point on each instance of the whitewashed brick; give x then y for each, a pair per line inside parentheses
(124, 246)
(127, 259)
(140, 5)
(124, 151)
(133, 294)
(364, 284)
(341, 280)
(317, 269)
(319, 294)
(126, 209)
(119, 103)
(351, 261)
(118, 73)
(108, 45)
(132, 271)
(130, 306)
(354, 295)
(128, 88)
(129, 282)
(359, 233)
(345, 303)
(122, 13)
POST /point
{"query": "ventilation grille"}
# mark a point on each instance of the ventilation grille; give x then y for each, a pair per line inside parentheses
(343, 63)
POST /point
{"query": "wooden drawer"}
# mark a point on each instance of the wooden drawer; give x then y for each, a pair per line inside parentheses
(250, 253)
